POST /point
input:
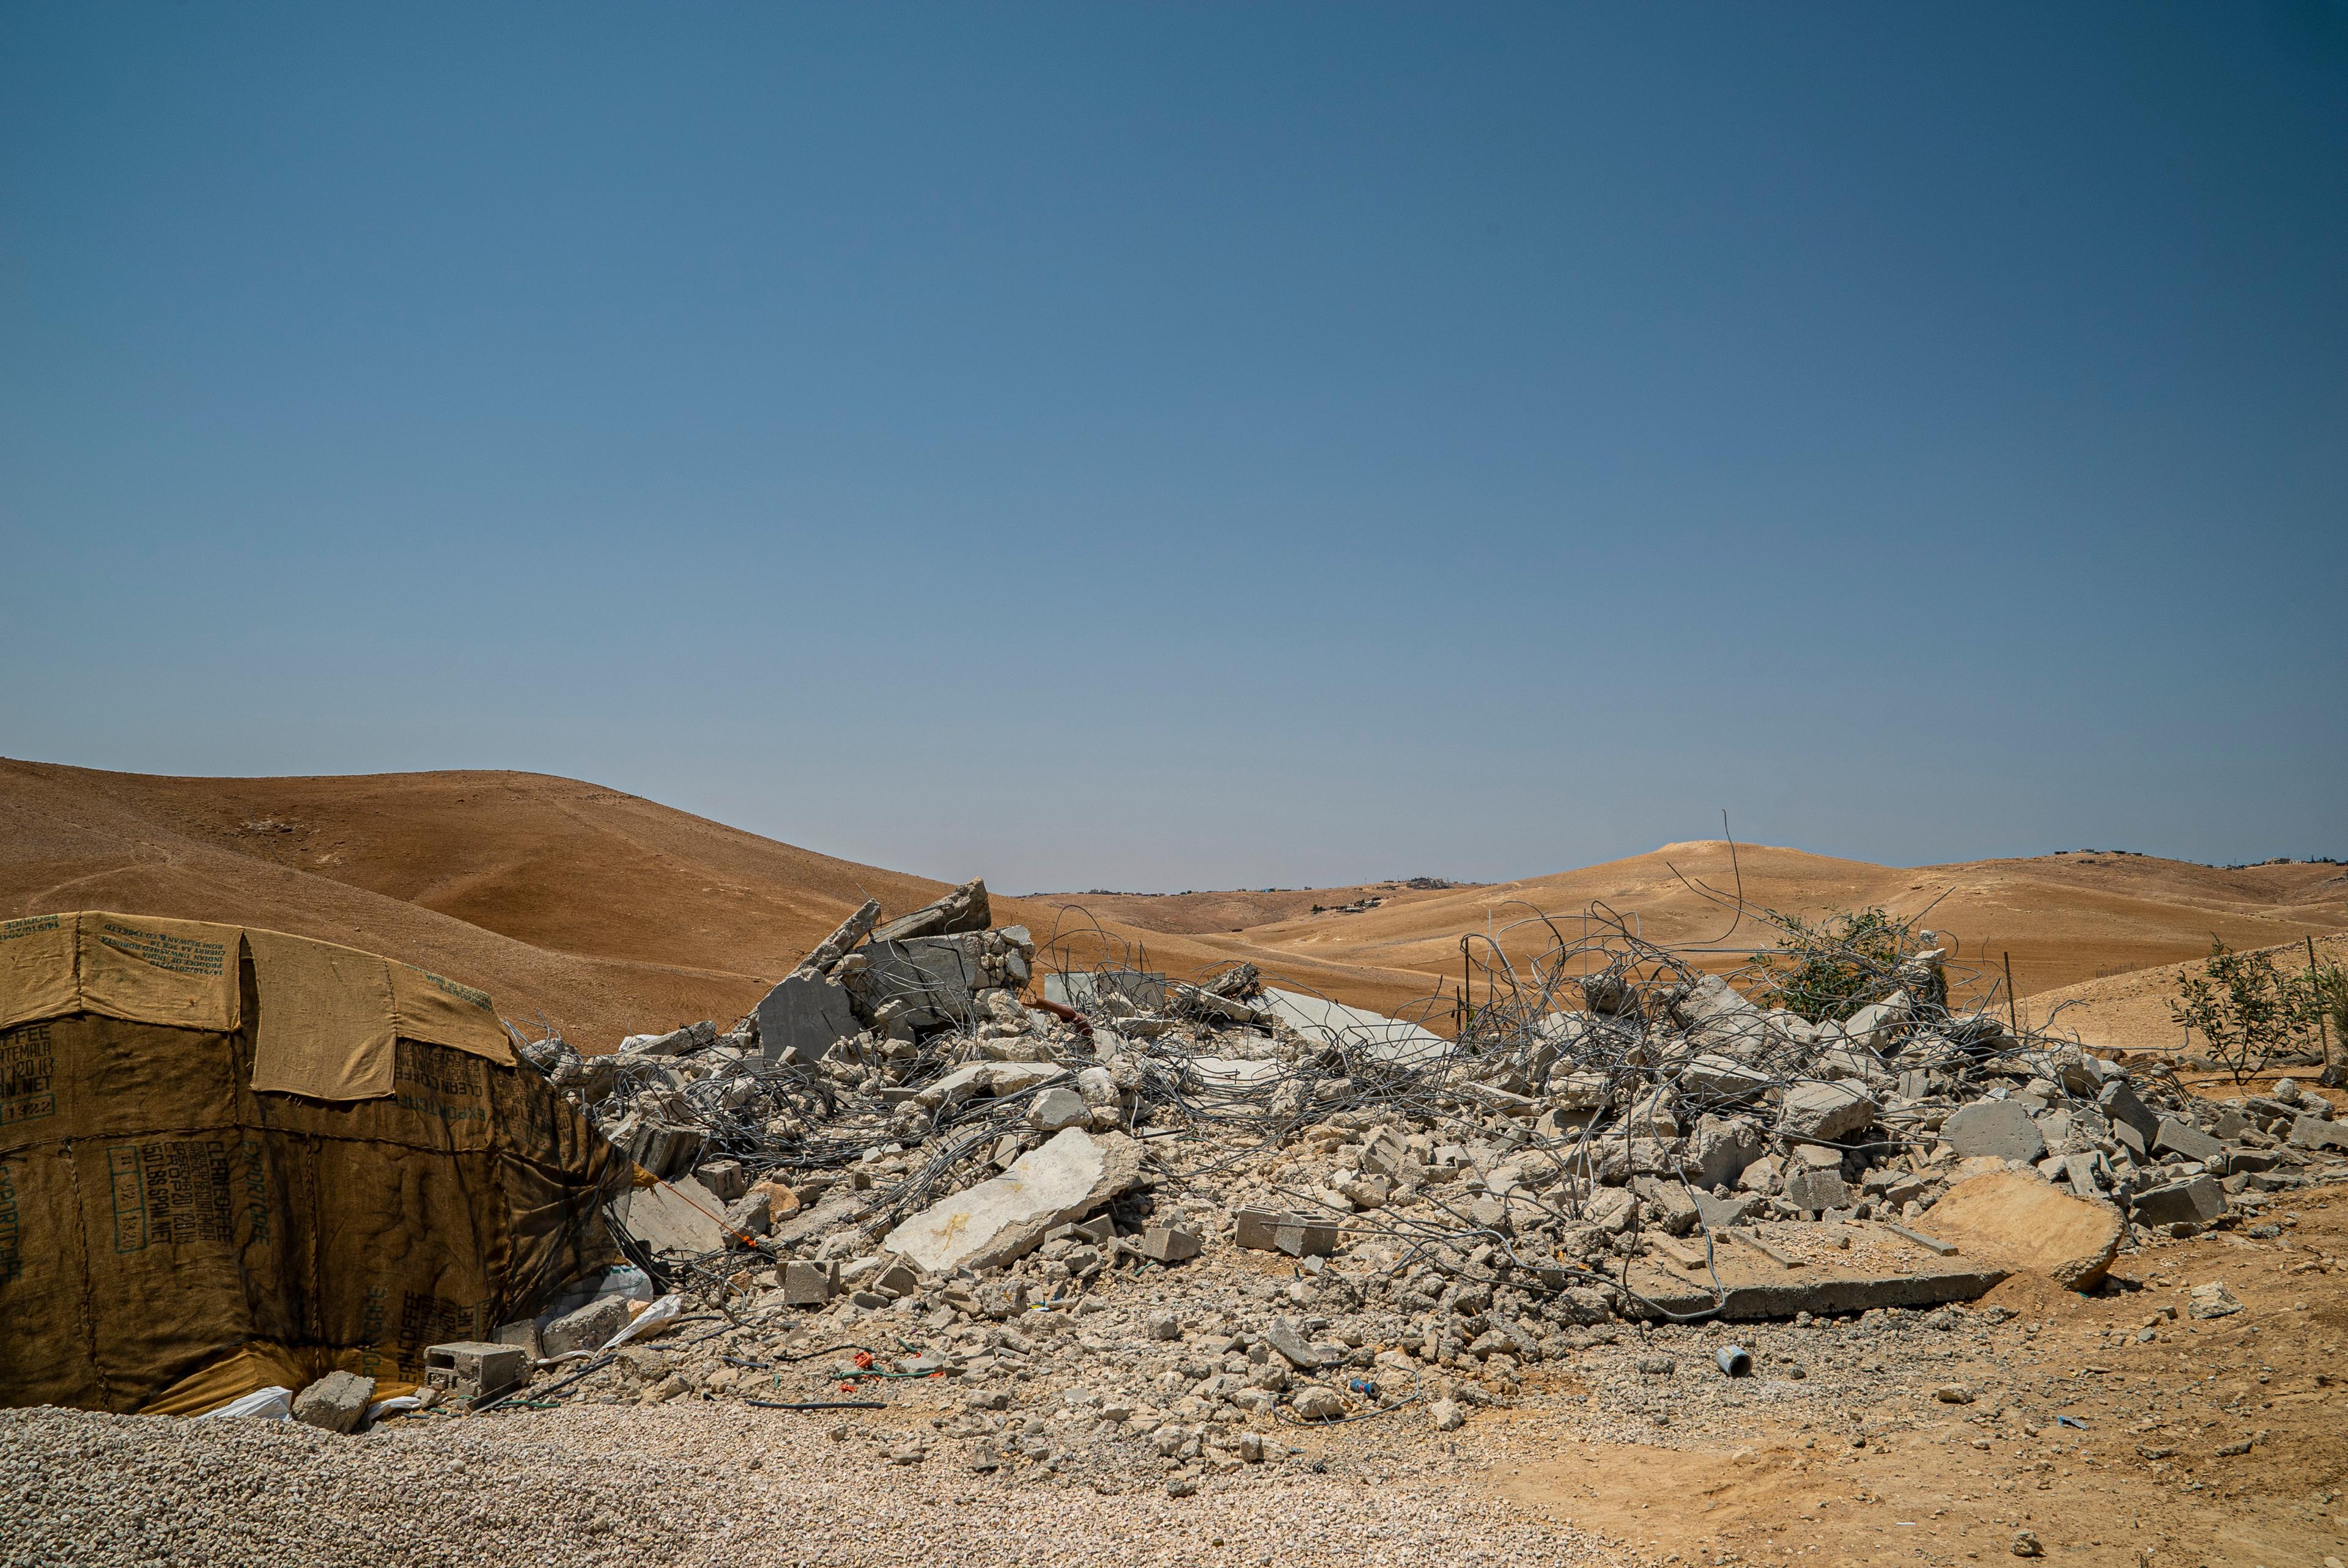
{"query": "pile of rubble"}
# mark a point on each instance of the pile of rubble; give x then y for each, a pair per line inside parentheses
(1204, 1209)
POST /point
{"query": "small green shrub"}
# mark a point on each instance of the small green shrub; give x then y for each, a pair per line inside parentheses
(1831, 966)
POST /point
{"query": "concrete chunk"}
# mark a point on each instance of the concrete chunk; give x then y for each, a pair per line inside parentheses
(800, 1019)
(1994, 1129)
(680, 1216)
(336, 1402)
(2314, 1133)
(2186, 1140)
(588, 1329)
(807, 1283)
(1817, 1109)
(1170, 1244)
(1002, 1219)
(2195, 1202)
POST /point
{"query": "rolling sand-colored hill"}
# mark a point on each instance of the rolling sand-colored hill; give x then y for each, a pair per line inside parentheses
(2063, 919)
(606, 913)
(610, 913)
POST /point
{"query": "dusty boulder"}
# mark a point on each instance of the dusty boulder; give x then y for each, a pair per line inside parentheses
(2019, 1222)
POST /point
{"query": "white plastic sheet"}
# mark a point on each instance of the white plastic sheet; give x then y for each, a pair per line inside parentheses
(270, 1404)
(667, 1309)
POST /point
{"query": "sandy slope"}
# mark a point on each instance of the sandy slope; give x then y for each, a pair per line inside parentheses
(611, 914)
(2063, 918)
(607, 913)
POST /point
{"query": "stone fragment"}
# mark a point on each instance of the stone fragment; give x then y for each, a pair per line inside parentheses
(336, 1402)
(1284, 1338)
(1953, 1394)
(1315, 1403)
(801, 1019)
(2019, 1223)
(2213, 1300)
(587, 1329)
(1993, 1129)
(1170, 1244)
(807, 1283)
(1000, 1220)
(2186, 1141)
(1817, 1108)
(1449, 1415)
(1164, 1326)
(2316, 1132)
(2195, 1202)
(1808, 1187)
(1057, 1109)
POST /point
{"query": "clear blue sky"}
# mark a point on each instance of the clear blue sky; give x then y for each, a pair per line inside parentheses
(1166, 447)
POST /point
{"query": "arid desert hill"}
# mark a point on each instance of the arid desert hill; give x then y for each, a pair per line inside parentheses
(609, 914)
(2063, 919)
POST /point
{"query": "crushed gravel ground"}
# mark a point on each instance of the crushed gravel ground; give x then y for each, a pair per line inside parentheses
(676, 1487)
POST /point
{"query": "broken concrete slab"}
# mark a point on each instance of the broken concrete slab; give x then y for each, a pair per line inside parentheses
(1715, 1080)
(1993, 1130)
(844, 937)
(2315, 1132)
(336, 1402)
(934, 978)
(1004, 1218)
(1757, 1290)
(2017, 1221)
(1386, 1040)
(678, 1217)
(2120, 1105)
(1231, 1071)
(965, 908)
(801, 1019)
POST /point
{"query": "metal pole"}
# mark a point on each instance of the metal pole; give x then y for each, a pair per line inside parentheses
(2013, 1015)
(2315, 987)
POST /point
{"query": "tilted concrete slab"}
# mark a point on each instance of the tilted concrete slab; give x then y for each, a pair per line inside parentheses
(1373, 1034)
(1005, 1218)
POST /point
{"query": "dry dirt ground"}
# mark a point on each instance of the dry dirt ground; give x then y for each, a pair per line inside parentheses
(2215, 1441)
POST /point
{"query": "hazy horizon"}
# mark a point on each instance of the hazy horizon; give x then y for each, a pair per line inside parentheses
(1164, 448)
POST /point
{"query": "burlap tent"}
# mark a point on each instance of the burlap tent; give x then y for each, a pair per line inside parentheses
(230, 1158)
